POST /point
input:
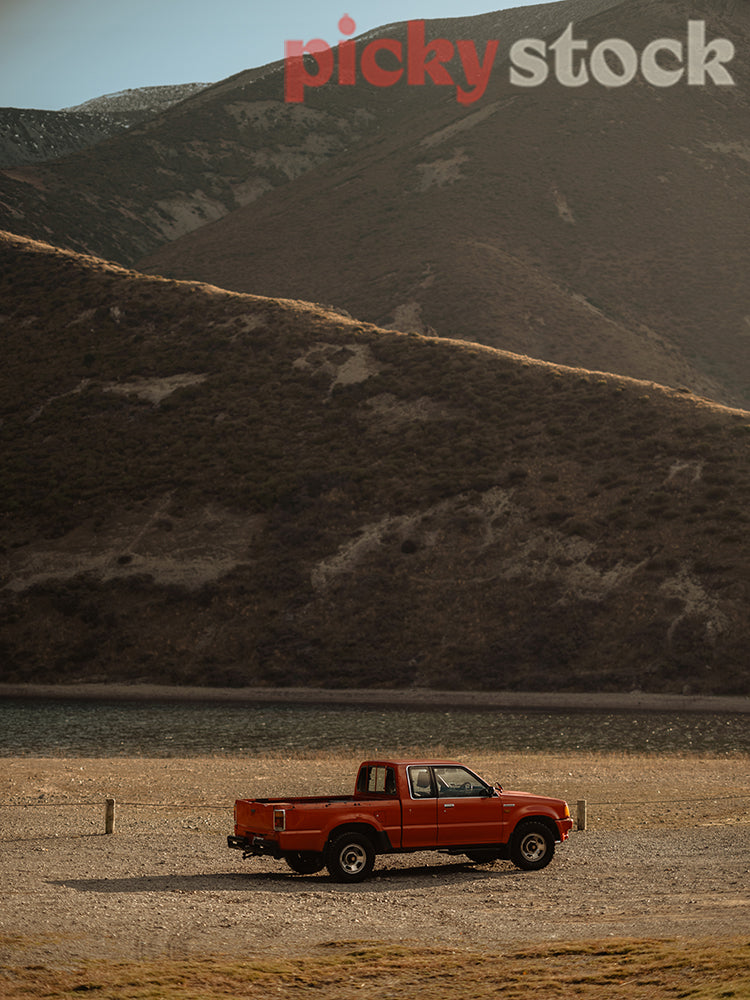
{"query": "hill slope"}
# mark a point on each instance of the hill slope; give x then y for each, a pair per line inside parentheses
(205, 487)
(587, 226)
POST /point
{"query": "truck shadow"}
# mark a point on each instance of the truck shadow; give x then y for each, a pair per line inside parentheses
(282, 880)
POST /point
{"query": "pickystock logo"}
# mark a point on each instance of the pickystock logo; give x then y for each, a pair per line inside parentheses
(573, 62)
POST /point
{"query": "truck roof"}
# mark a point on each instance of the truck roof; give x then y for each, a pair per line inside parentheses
(408, 761)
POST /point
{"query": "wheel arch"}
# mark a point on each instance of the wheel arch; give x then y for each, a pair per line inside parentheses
(539, 818)
(379, 838)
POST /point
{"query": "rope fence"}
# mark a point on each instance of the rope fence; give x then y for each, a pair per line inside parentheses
(144, 805)
(110, 806)
(659, 801)
(228, 804)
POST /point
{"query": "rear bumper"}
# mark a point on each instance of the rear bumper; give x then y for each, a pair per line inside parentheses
(254, 846)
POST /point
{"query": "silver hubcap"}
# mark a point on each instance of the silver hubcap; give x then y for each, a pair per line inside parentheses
(533, 846)
(353, 859)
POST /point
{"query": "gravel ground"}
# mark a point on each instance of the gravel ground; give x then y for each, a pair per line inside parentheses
(666, 854)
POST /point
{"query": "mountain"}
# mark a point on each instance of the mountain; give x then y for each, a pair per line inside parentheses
(592, 226)
(223, 148)
(31, 136)
(202, 486)
(598, 227)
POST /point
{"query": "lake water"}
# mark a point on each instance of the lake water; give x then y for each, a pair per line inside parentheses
(61, 728)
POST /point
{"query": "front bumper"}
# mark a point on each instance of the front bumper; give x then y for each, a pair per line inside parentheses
(564, 826)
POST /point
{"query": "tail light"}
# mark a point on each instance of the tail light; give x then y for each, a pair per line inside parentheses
(279, 819)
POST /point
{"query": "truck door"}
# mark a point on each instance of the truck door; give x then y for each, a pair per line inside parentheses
(419, 809)
(468, 811)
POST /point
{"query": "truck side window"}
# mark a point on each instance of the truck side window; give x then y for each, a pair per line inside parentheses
(420, 783)
(457, 782)
(377, 780)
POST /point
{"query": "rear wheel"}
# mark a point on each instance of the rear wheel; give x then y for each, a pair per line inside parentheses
(305, 862)
(532, 846)
(350, 858)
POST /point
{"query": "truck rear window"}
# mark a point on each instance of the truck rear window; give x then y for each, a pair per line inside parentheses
(376, 780)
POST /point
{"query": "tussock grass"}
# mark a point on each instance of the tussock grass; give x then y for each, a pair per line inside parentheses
(642, 969)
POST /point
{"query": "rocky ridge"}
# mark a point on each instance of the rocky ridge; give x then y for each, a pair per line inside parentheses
(29, 135)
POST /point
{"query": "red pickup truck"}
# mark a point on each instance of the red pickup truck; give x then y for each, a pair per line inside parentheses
(401, 806)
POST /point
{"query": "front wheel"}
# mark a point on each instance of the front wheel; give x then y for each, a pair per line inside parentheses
(350, 858)
(532, 846)
(305, 862)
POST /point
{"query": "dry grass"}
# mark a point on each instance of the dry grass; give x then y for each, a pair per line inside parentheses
(344, 969)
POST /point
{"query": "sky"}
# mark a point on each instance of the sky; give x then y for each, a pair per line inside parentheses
(58, 53)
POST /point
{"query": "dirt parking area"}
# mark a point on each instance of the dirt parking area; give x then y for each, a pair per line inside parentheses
(666, 854)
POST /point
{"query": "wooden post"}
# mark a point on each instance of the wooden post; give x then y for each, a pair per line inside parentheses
(581, 825)
(109, 816)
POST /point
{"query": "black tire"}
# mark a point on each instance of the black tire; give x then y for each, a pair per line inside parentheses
(532, 846)
(305, 862)
(350, 858)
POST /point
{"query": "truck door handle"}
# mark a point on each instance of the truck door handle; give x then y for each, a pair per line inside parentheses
(449, 805)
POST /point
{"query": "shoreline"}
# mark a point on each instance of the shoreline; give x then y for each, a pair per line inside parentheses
(400, 698)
